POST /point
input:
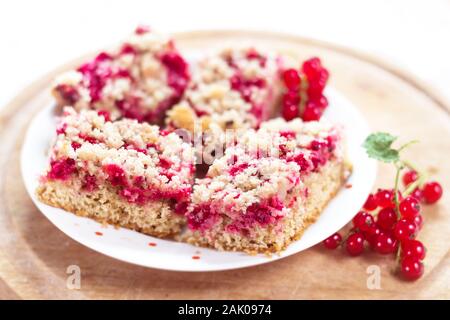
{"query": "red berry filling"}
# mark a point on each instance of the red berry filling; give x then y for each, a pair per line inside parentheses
(61, 129)
(95, 74)
(238, 168)
(178, 72)
(116, 175)
(142, 29)
(267, 212)
(263, 213)
(89, 183)
(246, 87)
(61, 169)
(202, 218)
(130, 107)
(68, 93)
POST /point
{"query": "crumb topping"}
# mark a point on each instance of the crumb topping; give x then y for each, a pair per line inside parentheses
(259, 179)
(234, 89)
(143, 162)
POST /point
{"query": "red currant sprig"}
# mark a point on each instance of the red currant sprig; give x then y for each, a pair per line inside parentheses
(391, 219)
(303, 95)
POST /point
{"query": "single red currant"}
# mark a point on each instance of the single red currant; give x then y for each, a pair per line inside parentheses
(409, 176)
(291, 79)
(290, 111)
(355, 244)
(317, 84)
(371, 203)
(418, 220)
(385, 244)
(385, 198)
(386, 218)
(322, 102)
(409, 207)
(411, 268)
(142, 29)
(372, 234)
(291, 97)
(333, 241)
(432, 192)
(414, 249)
(417, 193)
(311, 67)
(363, 221)
(312, 112)
(405, 229)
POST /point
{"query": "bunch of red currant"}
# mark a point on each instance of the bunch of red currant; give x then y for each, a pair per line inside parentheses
(393, 225)
(304, 91)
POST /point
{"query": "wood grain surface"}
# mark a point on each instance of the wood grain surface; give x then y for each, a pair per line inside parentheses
(34, 254)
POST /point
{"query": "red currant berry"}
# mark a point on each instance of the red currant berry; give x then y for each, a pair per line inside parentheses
(291, 98)
(316, 84)
(405, 229)
(333, 241)
(371, 203)
(409, 207)
(355, 244)
(291, 79)
(385, 198)
(385, 244)
(372, 234)
(312, 112)
(363, 221)
(386, 218)
(414, 249)
(142, 29)
(418, 220)
(410, 176)
(411, 268)
(290, 111)
(432, 192)
(105, 114)
(311, 67)
(322, 102)
(417, 193)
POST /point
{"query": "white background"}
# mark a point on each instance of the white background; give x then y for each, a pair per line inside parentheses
(37, 36)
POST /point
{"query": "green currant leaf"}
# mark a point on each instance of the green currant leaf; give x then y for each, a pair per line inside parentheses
(378, 146)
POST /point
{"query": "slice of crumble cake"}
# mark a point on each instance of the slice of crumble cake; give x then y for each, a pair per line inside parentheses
(140, 79)
(233, 89)
(265, 190)
(125, 173)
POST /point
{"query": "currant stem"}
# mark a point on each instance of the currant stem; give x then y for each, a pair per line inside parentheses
(397, 178)
(406, 145)
(398, 258)
(410, 165)
(410, 189)
(419, 182)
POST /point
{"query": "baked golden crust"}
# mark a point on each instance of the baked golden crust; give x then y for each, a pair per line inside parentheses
(104, 205)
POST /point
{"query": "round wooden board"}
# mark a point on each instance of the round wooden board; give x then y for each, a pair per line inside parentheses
(35, 255)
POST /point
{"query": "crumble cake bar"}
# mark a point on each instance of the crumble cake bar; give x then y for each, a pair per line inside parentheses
(140, 79)
(268, 188)
(125, 173)
(233, 89)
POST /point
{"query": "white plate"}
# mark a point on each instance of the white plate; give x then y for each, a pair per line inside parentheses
(134, 247)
